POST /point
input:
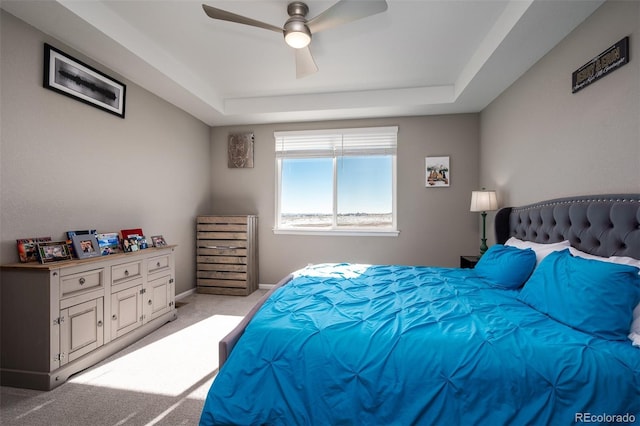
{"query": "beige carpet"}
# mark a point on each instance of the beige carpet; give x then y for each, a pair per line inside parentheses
(162, 379)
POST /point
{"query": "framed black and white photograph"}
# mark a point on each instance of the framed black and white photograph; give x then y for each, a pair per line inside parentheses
(53, 251)
(86, 246)
(71, 77)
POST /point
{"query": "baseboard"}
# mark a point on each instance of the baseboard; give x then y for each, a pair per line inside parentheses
(193, 290)
(185, 293)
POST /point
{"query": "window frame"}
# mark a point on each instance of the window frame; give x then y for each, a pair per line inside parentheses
(335, 229)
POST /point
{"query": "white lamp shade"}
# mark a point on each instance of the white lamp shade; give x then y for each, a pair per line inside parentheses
(483, 201)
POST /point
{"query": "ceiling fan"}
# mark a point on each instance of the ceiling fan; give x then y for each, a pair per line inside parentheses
(298, 30)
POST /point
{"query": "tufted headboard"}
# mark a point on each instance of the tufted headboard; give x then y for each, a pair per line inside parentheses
(602, 225)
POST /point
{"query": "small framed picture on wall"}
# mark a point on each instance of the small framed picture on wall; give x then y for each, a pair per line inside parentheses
(437, 172)
(240, 150)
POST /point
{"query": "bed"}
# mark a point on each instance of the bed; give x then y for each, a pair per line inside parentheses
(540, 332)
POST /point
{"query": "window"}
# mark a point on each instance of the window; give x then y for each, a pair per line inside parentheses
(336, 181)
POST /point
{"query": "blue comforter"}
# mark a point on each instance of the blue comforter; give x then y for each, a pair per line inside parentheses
(398, 345)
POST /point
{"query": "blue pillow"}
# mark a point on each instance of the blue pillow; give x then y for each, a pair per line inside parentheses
(595, 297)
(506, 266)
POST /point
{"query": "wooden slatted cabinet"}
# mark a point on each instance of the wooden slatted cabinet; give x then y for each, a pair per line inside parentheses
(227, 254)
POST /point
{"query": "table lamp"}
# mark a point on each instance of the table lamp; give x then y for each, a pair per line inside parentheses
(483, 201)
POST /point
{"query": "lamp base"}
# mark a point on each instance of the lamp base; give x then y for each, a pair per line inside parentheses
(483, 246)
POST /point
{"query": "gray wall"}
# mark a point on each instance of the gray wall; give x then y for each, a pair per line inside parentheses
(435, 224)
(540, 141)
(66, 165)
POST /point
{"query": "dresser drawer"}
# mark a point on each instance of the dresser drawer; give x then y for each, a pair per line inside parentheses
(221, 259)
(221, 250)
(83, 281)
(223, 275)
(158, 263)
(125, 272)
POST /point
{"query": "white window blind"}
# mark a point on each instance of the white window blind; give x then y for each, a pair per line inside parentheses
(337, 142)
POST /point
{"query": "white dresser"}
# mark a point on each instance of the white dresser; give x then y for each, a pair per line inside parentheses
(60, 318)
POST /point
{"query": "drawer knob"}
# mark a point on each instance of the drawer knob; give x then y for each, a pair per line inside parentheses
(158, 264)
(126, 272)
(81, 280)
(114, 317)
(150, 302)
(99, 323)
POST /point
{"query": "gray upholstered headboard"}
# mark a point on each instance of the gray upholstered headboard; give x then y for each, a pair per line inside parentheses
(603, 225)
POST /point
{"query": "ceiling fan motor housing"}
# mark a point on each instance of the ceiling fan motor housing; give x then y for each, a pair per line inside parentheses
(296, 28)
(297, 8)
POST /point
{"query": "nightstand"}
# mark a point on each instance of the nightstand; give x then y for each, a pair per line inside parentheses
(468, 261)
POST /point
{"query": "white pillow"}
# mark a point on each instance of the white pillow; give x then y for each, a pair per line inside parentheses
(634, 334)
(621, 260)
(635, 327)
(541, 250)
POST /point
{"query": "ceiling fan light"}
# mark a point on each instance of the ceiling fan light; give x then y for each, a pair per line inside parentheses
(297, 39)
(296, 32)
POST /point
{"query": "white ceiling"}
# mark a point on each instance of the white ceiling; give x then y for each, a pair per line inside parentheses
(419, 57)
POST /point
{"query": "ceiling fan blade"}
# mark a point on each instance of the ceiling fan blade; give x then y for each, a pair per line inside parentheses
(305, 65)
(345, 11)
(223, 15)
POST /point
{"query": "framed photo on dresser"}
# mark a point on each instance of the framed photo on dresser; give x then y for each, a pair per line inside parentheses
(27, 248)
(86, 245)
(53, 251)
(109, 243)
(128, 233)
(158, 241)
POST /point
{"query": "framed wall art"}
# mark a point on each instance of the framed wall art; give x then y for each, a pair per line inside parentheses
(86, 245)
(240, 150)
(71, 77)
(53, 251)
(438, 172)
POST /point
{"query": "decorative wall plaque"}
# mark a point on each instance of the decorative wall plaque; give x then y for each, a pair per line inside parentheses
(602, 65)
(240, 150)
